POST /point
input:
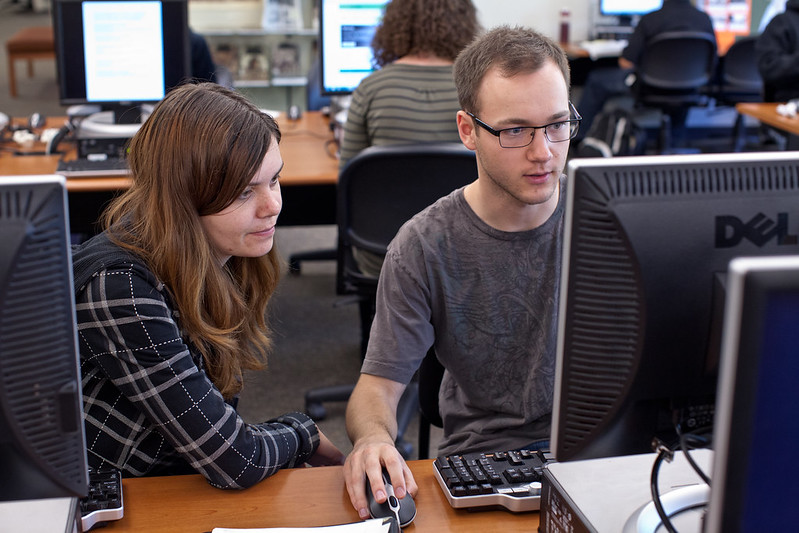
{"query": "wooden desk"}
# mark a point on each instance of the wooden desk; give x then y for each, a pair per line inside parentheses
(302, 497)
(304, 147)
(308, 179)
(767, 114)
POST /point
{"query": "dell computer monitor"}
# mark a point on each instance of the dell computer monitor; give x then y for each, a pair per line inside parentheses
(627, 10)
(42, 444)
(647, 244)
(120, 54)
(755, 467)
(346, 30)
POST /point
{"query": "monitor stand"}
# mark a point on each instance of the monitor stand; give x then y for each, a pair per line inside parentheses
(684, 506)
(107, 124)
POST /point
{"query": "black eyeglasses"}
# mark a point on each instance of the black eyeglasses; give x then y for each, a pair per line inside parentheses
(522, 136)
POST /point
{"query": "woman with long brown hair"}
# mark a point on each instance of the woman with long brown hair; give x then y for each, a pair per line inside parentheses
(172, 299)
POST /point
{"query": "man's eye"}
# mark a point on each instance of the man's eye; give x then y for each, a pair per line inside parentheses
(515, 132)
(557, 126)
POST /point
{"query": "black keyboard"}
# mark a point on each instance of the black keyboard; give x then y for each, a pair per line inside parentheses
(104, 501)
(497, 479)
(93, 167)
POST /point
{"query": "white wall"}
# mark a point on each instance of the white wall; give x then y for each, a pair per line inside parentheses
(541, 15)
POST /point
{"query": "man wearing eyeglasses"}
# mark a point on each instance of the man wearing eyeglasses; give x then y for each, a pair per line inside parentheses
(476, 275)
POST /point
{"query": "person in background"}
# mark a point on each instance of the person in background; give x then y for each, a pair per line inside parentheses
(476, 275)
(778, 55)
(202, 63)
(772, 9)
(412, 97)
(172, 299)
(603, 84)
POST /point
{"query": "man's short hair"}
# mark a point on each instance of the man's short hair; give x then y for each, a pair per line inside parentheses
(513, 50)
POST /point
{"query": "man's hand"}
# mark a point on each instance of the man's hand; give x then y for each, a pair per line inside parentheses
(367, 460)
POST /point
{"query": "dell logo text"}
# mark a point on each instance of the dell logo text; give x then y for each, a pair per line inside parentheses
(730, 231)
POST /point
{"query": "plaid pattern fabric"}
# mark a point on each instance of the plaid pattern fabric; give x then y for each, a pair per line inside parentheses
(149, 406)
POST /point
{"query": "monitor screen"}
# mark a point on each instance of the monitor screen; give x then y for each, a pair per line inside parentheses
(346, 30)
(628, 8)
(755, 467)
(648, 241)
(42, 443)
(120, 53)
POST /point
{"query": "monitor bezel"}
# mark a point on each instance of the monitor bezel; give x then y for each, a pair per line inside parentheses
(70, 62)
(36, 213)
(753, 282)
(326, 88)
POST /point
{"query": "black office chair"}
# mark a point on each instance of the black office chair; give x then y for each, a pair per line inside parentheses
(739, 80)
(379, 190)
(431, 372)
(673, 76)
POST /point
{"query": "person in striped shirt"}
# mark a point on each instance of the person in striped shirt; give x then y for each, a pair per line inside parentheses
(412, 97)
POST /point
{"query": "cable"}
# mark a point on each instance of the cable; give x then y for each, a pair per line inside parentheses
(696, 441)
(663, 453)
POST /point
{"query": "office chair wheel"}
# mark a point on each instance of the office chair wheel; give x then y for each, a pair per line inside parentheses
(316, 411)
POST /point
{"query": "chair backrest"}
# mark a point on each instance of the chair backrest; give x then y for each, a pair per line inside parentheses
(431, 372)
(739, 72)
(384, 186)
(678, 61)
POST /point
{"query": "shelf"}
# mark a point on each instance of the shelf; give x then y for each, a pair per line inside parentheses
(287, 81)
(258, 32)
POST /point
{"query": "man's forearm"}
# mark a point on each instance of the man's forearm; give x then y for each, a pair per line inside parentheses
(372, 409)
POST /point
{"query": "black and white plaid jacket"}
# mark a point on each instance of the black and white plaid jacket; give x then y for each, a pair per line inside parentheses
(149, 406)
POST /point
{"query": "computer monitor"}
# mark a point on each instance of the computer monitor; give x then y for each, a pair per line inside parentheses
(755, 468)
(120, 54)
(647, 244)
(627, 10)
(346, 30)
(42, 443)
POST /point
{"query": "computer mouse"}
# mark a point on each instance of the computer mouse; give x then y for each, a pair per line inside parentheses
(294, 112)
(404, 510)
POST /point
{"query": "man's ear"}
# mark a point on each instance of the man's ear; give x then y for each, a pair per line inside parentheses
(466, 130)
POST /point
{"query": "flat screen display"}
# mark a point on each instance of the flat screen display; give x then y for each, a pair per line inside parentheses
(120, 51)
(346, 31)
(628, 8)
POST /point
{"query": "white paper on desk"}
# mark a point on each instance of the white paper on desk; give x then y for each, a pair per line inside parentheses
(375, 525)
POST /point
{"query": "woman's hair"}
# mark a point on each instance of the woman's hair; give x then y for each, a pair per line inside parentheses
(512, 51)
(193, 157)
(438, 27)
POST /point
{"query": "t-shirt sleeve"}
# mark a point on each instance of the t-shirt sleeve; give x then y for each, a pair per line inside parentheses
(402, 332)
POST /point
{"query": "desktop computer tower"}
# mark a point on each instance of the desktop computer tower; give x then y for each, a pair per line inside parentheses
(611, 495)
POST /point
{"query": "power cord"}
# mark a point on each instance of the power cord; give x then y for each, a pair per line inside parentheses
(664, 454)
(687, 442)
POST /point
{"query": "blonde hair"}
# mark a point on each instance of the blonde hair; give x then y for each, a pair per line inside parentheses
(193, 156)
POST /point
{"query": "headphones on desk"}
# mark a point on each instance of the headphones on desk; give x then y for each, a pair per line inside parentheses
(55, 140)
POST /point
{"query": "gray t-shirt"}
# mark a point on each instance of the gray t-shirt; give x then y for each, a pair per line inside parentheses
(488, 299)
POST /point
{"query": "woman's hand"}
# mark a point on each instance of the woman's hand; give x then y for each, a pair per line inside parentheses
(327, 454)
